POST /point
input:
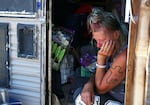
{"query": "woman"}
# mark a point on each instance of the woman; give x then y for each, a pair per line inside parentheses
(108, 81)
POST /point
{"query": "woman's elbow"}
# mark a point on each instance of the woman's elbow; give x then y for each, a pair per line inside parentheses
(101, 88)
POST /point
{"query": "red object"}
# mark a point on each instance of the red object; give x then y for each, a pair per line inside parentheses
(84, 8)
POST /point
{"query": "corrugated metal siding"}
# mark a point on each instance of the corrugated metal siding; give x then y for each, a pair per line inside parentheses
(26, 75)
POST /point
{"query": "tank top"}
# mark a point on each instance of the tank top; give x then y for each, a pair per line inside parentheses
(119, 91)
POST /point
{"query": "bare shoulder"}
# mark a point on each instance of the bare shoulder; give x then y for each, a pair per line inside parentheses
(121, 59)
(122, 55)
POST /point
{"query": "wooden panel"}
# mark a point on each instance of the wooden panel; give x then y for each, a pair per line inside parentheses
(137, 55)
(131, 56)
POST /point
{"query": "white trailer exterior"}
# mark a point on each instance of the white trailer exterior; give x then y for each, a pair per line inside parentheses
(27, 72)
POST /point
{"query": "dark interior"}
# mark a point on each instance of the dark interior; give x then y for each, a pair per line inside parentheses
(4, 62)
(72, 14)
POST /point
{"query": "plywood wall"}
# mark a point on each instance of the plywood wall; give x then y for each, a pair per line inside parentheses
(136, 86)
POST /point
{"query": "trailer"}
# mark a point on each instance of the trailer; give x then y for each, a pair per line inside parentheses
(23, 50)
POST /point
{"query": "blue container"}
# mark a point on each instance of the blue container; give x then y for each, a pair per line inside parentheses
(14, 102)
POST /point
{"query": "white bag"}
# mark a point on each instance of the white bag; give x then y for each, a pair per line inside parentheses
(111, 102)
(78, 100)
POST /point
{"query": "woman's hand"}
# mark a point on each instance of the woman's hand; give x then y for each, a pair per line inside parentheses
(87, 94)
(107, 50)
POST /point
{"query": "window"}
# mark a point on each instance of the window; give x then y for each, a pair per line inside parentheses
(27, 41)
(18, 5)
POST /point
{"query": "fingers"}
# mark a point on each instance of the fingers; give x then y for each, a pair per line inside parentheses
(88, 99)
(107, 48)
(111, 47)
(92, 100)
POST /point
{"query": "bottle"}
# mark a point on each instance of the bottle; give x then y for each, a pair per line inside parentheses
(54, 47)
(61, 55)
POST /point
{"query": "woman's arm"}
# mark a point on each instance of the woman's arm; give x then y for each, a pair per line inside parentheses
(87, 94)
(106, 81)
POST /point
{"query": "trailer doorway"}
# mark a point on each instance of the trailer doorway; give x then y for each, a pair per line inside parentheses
(63, 11)
(4, 55)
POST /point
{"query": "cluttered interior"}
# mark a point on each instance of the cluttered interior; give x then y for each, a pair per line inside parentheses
(82, 46)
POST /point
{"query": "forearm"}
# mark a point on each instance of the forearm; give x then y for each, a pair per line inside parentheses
(89, 86)
(100, 73)
(91, 82)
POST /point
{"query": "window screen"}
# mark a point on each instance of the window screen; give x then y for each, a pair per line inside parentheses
(27, 43)
(4, 52)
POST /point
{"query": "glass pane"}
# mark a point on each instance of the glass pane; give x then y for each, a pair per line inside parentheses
(26, 41)
(18, 5)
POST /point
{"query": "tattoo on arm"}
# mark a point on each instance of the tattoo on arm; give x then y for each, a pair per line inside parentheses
(111, 80)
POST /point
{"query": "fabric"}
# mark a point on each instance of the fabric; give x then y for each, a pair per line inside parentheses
(84, 8)
(119, 92)
(55, 100)
(56, 84)
(103, 97)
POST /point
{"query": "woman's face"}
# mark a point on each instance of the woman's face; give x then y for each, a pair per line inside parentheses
(101, 35)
